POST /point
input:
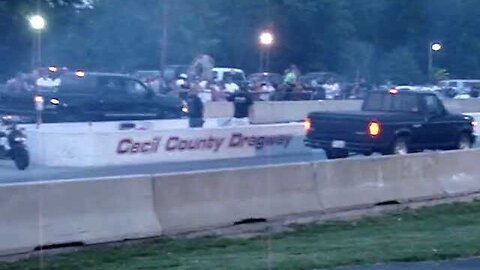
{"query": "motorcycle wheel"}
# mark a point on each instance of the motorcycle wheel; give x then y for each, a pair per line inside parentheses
(21, 158)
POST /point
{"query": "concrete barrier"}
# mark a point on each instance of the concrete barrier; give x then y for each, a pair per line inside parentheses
(366, 182)
(459, 172)
(72, 148)
(82, 211)
(113, 209)
(463, 105)
(193, 201)
(286, 111)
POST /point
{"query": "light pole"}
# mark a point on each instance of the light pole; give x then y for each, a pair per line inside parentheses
(266, 39)
(432, 47)
(37, 23)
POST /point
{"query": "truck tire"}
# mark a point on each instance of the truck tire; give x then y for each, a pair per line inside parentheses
(464, 142)
(336, 153)
(400, 146)
(21, 158)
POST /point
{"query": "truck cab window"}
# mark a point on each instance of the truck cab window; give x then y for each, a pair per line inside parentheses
(433, 105)
(136, 88)
(112, 85)
(406, 103)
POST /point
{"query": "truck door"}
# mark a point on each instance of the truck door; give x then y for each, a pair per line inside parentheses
(124, 99)
(437, 128)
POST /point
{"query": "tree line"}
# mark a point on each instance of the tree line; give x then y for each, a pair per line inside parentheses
(380, 40)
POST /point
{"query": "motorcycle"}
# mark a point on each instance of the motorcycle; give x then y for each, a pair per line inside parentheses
(13, 143)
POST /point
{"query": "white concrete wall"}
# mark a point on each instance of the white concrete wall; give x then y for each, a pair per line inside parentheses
(114, 209)
(69, 147)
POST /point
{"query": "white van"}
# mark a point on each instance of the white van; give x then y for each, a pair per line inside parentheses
(237, 75)
(460, 86)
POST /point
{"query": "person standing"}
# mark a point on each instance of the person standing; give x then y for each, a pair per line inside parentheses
(195, 108)
(230, 86)
(45, 82)
(242, 102)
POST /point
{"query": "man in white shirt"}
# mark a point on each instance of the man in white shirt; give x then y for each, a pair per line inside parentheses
(230, 86)
(266, 90)
(45, 82)
(332, 89)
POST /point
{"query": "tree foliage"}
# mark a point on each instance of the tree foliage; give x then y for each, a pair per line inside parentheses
(378, 39)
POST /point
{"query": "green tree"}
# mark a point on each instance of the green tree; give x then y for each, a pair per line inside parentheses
(399, 66)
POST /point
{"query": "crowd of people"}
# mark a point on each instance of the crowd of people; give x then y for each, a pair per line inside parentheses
(291, 86)
(40, 79)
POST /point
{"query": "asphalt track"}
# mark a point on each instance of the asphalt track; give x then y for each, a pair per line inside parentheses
(471, 264)
(9, 174)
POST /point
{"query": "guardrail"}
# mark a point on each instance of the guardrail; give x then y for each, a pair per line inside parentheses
(114, 209)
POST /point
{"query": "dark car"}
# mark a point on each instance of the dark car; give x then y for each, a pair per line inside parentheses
(390, 122)
(171, 72)
(90, 96)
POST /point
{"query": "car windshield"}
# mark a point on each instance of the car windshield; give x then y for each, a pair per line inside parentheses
(239, 134)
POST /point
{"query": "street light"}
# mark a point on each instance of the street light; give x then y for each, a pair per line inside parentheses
(37, 23)
(266, 39)
(432, 47)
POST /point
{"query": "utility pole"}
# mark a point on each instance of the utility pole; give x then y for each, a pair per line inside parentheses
(164, 46)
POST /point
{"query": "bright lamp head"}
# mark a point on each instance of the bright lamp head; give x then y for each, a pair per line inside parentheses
(37, 22)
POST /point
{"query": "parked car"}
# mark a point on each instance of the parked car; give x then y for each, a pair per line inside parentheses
(92, 96)
(171, 72)
(390, 122)
(237, 75)
(452, 88)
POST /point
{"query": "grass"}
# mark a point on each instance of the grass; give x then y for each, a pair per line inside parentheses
(437, 233)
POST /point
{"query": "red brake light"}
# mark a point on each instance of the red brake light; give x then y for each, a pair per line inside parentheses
(80, 73)
(374, 128)
(52, 69)
(307, 124)
(393, 91)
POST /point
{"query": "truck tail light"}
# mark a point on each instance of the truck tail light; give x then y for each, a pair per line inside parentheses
(393, 91)
(374, 128)
(80, 73)
(307, 124)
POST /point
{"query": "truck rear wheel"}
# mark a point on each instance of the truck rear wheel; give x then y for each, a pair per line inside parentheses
(399, 147)
(336, 153)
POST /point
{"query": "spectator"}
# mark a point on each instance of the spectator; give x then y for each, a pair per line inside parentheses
(205, 92)
(45, 82)
(18, 83)
(230, 86)
(182, 86)
(290, 81)
(295, 70)
(242, 102)
(266, 90)
(290, 78)
(195, 108)
(332, 89)
(219, 92)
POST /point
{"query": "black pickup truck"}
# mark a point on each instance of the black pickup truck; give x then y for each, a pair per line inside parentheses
(92, 96)
(390, 122)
